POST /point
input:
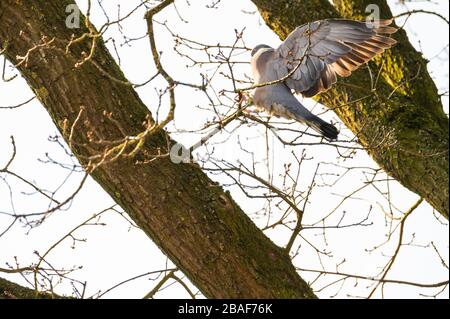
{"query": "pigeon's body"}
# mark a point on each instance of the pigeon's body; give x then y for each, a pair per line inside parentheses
(278, 100)
(308, 62)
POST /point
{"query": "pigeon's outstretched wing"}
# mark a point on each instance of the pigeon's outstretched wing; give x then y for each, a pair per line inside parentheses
(320, 50)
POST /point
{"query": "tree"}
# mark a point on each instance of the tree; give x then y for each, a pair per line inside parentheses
(188, 206)
(414, 119)
(192, 219)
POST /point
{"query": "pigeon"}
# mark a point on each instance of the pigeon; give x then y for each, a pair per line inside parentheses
(309, 61)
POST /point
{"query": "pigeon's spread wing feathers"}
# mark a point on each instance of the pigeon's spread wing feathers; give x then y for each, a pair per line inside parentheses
(320, 50)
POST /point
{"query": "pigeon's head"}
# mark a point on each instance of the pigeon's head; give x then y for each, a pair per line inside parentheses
(260, 46)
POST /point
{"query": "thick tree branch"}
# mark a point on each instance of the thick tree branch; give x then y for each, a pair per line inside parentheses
(10, 290)
(403, 105)
(196, 223)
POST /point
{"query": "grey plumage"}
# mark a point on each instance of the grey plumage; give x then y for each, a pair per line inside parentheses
(309, 61)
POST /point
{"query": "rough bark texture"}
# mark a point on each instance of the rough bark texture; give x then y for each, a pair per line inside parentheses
(405, 107)
(10, 290)
(196, 223)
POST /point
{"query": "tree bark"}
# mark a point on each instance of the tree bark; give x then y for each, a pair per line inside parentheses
(10, 290)
(401, 123)
(194, 221)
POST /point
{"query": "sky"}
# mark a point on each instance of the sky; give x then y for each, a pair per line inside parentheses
(106, 256)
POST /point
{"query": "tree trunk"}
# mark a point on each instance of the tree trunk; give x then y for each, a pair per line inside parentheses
(198, 225)
(401, 123)
(10, 290)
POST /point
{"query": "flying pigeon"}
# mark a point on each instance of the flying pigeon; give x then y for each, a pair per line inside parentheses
(308, 63)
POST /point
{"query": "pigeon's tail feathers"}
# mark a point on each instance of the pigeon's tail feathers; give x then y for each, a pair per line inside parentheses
(301, 114)
(328, 130)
